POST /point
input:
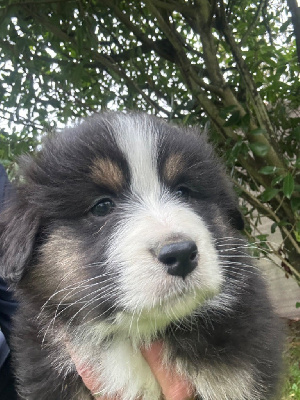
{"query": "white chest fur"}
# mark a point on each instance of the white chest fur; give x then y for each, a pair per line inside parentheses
(120, 368)
(124, 370)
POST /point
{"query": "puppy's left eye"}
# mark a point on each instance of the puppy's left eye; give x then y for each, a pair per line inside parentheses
(183, 192)
(103, 207)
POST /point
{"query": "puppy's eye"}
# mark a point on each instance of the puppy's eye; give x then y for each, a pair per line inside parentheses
(183, 192)
(103, 207)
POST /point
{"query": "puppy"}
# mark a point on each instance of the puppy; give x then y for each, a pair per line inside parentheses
(124, 231)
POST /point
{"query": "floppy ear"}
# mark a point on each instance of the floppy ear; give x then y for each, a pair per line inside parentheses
(228, 201)
(18, 231)
(236, 219)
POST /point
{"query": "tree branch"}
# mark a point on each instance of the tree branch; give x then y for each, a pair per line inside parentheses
(295, 11)
(266, 211)
(24, 121)
(166, 51)
(277, 254)
(253, 23)
(197, 86)
(174, 6)
(267, 138)
(109, 64)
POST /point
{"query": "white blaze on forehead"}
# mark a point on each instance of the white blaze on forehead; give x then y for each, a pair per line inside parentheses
(149, 220)
(137, 138)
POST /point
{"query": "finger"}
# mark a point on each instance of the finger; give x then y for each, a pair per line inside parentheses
(173, 385)
(89, 380)
(88, 377)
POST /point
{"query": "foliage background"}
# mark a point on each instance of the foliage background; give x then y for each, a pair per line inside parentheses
(231, 66)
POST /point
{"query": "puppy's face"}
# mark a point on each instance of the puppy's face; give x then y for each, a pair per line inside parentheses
(129, 211)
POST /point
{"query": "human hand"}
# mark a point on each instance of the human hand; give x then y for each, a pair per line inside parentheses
(173, 386)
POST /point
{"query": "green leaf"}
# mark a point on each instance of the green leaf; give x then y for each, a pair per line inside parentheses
(296, 133)
(276, 180)
(234, 119)
(297, 231)
(262, 238)
(295, 203)
(269, 170)
(258, 131)
(273, 227)
(227, 110)
(298, 304)
(268, 194)
(285, 25)
(259, 149)
(240, 148)
(288, 185)
(245, 121)
(284, 223)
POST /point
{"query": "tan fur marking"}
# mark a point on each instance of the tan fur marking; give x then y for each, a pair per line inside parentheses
(173, 166)
(60, 258)
(106, 172)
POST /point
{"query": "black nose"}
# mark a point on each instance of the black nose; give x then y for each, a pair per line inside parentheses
(180, 258)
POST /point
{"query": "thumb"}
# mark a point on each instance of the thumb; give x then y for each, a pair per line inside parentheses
(174, 386)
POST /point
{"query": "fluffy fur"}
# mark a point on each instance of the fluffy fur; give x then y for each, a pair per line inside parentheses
(82, 241)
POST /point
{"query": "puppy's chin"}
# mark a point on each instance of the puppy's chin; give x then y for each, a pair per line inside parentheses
(146, 323)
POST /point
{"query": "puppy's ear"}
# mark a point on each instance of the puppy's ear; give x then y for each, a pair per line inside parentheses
(228, 201)
(236, 219)
(19, 226)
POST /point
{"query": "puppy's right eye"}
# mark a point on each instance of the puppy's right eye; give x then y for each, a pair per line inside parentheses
(103, 207)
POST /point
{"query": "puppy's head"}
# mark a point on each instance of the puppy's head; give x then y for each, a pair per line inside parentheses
(117, 219)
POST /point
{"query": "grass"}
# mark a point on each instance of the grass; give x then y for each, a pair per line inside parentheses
(291, 389)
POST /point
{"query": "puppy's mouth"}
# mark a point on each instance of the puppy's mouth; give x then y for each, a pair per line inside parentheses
(148, 322)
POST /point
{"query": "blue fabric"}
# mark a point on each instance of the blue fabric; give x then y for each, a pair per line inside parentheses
(4, 349)
(7, 308)
(6, 190)
(7, 304)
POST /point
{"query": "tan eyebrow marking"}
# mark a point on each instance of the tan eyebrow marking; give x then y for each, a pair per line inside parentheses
(173, 166)
(106, 172)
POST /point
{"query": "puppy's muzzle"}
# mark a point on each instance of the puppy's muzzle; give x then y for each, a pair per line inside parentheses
(180, 258)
